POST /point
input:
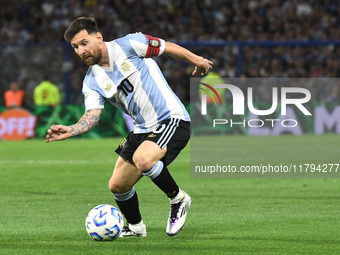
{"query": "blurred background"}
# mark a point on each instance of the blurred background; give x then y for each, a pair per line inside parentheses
(253, 39)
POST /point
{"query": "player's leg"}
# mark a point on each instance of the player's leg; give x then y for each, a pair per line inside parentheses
(147, 158)
(152, 158)
(124, 177)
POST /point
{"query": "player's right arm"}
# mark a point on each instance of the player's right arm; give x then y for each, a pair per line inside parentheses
(88, 121)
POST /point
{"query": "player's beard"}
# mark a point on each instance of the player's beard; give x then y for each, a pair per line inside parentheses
(94, 59)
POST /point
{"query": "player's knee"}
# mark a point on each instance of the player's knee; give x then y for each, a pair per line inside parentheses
(118, 187)
(143, 162)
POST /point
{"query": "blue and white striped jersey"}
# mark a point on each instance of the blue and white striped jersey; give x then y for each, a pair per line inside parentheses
(134, 83)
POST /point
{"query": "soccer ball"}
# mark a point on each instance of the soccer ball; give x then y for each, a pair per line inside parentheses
(104, 223)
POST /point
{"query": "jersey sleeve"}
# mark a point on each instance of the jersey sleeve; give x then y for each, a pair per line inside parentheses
(146, 46)
(93, 100)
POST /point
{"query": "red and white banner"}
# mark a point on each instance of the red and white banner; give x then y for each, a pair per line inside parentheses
(17, 124)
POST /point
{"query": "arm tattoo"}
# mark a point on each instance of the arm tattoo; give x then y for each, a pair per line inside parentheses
(89, 120)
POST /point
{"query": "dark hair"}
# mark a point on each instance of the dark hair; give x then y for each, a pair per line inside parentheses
(89, 24)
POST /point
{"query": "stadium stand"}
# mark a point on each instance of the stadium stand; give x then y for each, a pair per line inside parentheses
(26, 23)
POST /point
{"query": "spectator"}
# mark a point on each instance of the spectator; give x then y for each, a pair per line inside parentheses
(14, 97)
(46, 93)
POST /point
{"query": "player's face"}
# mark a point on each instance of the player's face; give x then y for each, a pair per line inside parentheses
(87, 47)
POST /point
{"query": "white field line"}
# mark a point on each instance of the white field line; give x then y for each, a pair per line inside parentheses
(54, 162)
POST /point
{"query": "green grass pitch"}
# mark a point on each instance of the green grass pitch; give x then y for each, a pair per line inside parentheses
(46, 191)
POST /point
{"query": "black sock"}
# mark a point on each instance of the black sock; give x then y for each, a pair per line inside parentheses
(166, 183)
(130, 209)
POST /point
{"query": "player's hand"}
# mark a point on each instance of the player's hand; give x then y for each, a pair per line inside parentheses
(57, 133)
(204, 67)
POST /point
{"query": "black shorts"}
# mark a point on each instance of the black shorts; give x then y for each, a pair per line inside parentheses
(173, 133)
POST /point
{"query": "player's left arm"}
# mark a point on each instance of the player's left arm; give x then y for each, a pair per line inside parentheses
(202, 65)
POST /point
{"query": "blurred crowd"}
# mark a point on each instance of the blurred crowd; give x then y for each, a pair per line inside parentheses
(28, 22)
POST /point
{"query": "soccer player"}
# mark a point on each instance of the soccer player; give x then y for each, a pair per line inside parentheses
(123, 73)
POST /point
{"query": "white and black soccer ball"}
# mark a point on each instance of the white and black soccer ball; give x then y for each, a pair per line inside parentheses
(104, 223)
